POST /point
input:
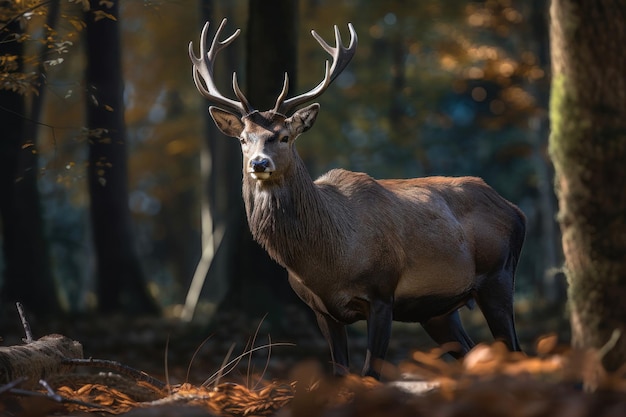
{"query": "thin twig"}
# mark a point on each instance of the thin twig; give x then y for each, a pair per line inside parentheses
(193, 357)
(27, 332)
(267, 363)
(165, 365)
(18, 16)
(220, 371)
(12, 384)
(51, 393)
(256, 333)
(236, 360)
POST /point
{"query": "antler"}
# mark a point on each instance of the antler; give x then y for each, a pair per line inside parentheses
(203, 71)
(341, 58)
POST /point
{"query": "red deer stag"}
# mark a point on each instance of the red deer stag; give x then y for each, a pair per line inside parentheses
(356, 248)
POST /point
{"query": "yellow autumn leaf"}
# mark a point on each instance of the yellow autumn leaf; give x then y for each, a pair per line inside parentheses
(100, 14)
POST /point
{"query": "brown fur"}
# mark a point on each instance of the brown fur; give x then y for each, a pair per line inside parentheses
(359, 248)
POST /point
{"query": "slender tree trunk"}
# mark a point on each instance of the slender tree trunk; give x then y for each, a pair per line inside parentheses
(588, 147)
(120, 278)
(222, 210)
(27, 276)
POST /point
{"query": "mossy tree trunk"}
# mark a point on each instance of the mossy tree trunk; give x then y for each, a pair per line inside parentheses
(588, 148)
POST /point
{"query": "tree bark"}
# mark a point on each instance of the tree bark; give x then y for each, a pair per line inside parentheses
(39, 359)
(119, 275)
(588, 148)
(271, 51)
(28, 276)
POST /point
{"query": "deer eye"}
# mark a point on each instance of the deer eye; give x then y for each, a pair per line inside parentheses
(284, 139)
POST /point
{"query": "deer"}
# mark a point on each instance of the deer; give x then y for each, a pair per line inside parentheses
(358, 248)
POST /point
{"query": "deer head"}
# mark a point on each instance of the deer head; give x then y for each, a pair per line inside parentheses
(266, 137)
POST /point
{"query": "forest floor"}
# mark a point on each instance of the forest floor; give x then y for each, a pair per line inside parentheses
(231, 371)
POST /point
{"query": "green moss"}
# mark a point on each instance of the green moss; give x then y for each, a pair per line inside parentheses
(569, 126)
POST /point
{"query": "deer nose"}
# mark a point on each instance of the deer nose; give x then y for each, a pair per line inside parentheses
(260, 165)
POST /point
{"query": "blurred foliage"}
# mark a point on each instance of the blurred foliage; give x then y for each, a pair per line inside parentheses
(30, 14)
(436, 88)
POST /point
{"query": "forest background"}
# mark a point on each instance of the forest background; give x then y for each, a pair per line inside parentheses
(436, 88)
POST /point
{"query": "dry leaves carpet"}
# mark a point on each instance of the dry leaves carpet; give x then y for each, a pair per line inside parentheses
(490, 381)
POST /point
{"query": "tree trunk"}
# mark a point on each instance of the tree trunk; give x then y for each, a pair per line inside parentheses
(272, 50)
(27, 276)
(120, 278)
(258, 285)
(588, 147)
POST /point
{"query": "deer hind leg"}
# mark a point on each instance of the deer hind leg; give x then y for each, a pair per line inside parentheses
(337, 339)
(449, 333)
(495, 299)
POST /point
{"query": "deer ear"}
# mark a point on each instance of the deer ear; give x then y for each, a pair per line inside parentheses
(303, 119)
(226, 122)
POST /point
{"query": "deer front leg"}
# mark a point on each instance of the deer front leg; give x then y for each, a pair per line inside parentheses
(379, 321)
(335, 334)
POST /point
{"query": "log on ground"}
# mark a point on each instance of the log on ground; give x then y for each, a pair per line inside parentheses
(39, 359)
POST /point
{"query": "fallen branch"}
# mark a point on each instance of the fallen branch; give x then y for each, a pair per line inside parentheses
(38, 359)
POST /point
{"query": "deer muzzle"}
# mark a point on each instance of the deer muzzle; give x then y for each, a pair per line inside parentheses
(261, 168)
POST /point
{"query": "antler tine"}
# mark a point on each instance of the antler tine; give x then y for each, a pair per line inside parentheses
(341, 58)
(283, 93)
(284, 107)
(341, 55)
(244, 101)
(203, 71)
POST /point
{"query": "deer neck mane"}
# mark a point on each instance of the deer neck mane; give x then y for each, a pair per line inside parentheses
(291, 218)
